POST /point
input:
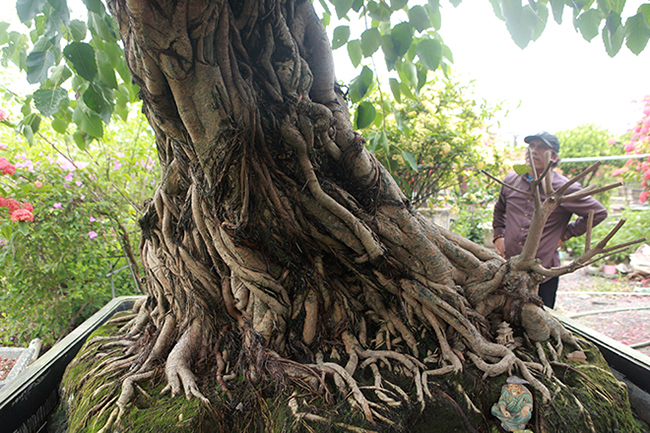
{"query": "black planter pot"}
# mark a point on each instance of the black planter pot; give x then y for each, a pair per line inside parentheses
(28, 400)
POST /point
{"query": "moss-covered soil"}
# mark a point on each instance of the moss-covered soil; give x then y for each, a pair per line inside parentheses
(588, 399)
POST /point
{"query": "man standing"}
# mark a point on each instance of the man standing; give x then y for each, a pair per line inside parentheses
(513, 212)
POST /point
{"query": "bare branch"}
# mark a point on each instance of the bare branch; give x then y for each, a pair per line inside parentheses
(577, 178)
(505, 184)
(548, 183)
(590, 225)
(590, 190)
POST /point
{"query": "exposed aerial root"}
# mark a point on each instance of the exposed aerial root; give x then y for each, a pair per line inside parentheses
(177, 368)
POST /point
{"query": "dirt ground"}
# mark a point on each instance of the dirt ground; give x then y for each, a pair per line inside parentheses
(583, 291)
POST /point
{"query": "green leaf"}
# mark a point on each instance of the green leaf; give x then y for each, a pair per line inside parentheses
(408, 73)
(394, 87)
(342, 7)
(410, 159)
(28, 9)
(60, 125)
(354, 52)
(79, 139)
(402, 36)
(520, 21)
(95, 6)
(33, 121)
(384, 143)
(558, 10)
(340, 37)
(430, 53)
(521, 169)
(361, 84)
(637, 32)
(91, 124)
(99, 25)
(379, 12)
(47, 100)
(29, 134)
(94, 99)
(419, 18)
(613, 34)
(589, 23)
(615, 6)
(370, 41)
(78, 30)
(37, 65)
(59, 74)
(82, 57)
(645, 9)
(542, 15)
(105, 69)
(366, 113)
(397, 4)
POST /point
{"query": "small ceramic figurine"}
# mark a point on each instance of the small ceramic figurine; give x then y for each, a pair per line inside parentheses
(515, 405)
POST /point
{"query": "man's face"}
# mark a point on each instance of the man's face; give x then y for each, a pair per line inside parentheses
(539, 150)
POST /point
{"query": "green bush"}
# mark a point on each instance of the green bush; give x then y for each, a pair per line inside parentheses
(54, 270)
(637, 226)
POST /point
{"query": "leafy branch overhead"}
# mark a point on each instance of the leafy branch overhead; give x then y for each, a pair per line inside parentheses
(85, 59)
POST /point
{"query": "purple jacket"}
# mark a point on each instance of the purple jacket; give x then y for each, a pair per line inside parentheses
(513, 211)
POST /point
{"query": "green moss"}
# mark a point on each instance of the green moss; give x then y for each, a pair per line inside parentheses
(461, 403)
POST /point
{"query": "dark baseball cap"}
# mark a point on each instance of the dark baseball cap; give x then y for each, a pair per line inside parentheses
(549, 139)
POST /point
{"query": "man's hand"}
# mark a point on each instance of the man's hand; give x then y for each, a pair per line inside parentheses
(500, 247)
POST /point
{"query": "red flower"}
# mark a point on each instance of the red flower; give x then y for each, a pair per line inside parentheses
(22, 215)
(6, 167)
(29, 207)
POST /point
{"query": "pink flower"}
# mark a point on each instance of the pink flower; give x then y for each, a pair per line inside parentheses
(644, 183)
(6, 167)
(3, 146)
(619, 171)
(643, 196)
(22, 215)
(12, 205)
(647, 174)
(629, 147)
(92, 219)
(68, 177)
(57, 206)
(92, 235)
(611, 141)
(28, 206)
(117, 165)
(38, 184)
(4, 114)
(28, 164)
(79, 183)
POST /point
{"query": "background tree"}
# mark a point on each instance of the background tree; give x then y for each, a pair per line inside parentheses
(433, 141)
(277, 250)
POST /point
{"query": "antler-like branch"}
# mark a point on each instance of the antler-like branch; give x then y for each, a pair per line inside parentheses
(589, 256)
(543, 210)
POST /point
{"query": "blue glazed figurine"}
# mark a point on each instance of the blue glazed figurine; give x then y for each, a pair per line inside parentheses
(515, 406)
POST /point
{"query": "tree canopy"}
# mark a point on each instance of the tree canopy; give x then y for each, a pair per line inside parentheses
(83, 78)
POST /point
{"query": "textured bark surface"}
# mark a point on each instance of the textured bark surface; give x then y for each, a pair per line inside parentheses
(277, 249)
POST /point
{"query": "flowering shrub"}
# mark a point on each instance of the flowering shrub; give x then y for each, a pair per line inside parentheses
(69, 219)
(435, 141)
(639, 143)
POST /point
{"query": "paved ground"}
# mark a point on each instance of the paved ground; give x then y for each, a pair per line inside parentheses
(581, 292)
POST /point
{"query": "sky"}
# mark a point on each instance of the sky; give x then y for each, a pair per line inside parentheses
(558, 82)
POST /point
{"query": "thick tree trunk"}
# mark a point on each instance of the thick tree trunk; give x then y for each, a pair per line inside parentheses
(276, 246)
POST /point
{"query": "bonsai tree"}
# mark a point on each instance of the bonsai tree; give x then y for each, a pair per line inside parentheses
(282, 259)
